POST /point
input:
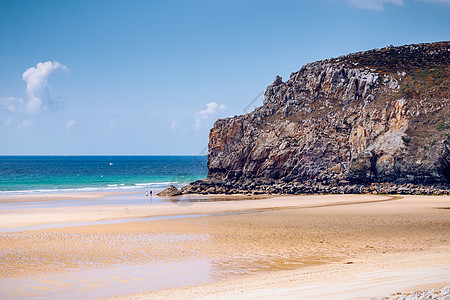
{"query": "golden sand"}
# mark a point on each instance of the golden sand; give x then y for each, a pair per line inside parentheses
(291, 234)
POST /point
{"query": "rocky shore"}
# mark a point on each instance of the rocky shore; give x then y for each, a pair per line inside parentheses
(258, 187)
(368, 122)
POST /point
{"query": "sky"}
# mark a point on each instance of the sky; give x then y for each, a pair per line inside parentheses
(151, 77)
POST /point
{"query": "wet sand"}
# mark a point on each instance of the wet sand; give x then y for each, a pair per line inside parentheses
(190, 205)
(54, 197)
(285, 246)
(371, 278)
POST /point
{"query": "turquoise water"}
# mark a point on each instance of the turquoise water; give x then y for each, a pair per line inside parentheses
(40, 174)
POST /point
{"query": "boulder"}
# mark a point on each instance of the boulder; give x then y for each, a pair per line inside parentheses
(169, 192)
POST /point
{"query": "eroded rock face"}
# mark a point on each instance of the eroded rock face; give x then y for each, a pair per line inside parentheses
(378, 118)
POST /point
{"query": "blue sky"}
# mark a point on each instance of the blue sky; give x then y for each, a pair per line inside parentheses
(151, 77)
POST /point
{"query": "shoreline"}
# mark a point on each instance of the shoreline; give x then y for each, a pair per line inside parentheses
(61, 195)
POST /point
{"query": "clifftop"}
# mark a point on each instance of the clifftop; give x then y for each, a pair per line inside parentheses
(398, 59)
(369, 121)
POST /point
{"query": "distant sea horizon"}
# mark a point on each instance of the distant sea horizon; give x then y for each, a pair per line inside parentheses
(27, 174)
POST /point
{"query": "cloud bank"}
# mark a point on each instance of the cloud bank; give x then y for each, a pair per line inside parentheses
(36, 79)
(212, 109)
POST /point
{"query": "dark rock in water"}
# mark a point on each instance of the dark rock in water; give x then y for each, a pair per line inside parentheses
(170, 191)
(375, 121)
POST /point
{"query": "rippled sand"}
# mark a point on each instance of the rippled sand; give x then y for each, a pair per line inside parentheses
(280, 234)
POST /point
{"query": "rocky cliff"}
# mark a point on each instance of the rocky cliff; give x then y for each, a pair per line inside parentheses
(375, 121)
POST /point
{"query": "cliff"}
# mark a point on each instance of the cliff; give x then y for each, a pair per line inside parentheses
(374, 121)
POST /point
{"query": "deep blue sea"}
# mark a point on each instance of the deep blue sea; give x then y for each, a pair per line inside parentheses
(42, 174)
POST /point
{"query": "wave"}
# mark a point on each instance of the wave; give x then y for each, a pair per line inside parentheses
(109, 188)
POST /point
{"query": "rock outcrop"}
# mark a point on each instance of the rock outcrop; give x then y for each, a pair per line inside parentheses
(375, 121)
(169, 192)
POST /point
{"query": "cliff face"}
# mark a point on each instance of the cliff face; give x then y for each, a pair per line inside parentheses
(376, 120)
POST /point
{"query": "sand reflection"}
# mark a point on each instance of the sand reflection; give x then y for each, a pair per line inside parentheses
(107, 282)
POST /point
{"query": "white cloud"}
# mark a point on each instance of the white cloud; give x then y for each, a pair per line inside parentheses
(9, 121)
(212, 109)
(36, 79)
(174, 125)
(374, 4)
(70, 124)
(25, 123)
(11, 103)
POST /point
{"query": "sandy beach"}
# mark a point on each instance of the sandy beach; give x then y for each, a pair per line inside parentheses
(349, 246)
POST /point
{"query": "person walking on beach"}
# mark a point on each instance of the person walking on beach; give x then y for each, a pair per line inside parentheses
(151, 193)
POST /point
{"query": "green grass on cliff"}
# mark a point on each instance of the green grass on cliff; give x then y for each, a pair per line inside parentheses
(426, 83)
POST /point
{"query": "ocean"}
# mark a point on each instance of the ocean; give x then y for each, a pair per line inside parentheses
(46, 174)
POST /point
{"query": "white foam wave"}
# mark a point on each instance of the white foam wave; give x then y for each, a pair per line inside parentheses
(108, 188)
